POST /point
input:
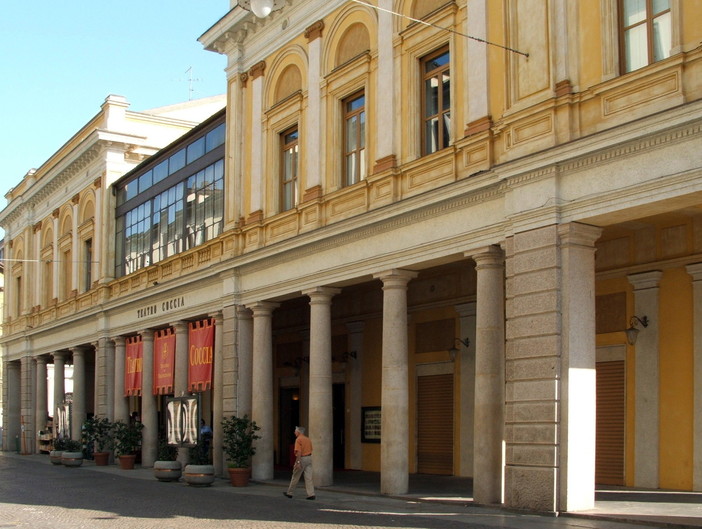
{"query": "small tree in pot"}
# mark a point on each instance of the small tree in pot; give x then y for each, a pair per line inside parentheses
(97, 436)
(199, 472)
(238, 435)
(127, 438)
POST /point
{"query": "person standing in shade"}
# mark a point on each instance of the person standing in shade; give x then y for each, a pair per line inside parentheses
(303, 464)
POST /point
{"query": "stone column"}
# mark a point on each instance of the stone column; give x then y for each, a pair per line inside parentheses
(121, 405)
(12, 389)
(180, 382)
(466, 373)
(109, 348)
(646, 406)
(257, 140)
(28, 382)
(489, 376)
(394, 444)
(149, 414)
(321, 424)
(476, 88)
(695, 270)
(78, 414)
(262, 398)
(218, 397)
(42, 399)
(59, 382)
(244, 379)
(578, 384)
(354, 383)
(384, 98)
(315, 125)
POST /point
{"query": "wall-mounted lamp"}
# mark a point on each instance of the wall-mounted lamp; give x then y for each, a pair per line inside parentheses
(632, 332)
(261, 8)
(454, 350)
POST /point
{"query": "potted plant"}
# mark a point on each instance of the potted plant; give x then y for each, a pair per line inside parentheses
(72, 455)
(166, 467)
(199, 472)
(127, 439)
(57, 452)
(97, 435)
(238, 435)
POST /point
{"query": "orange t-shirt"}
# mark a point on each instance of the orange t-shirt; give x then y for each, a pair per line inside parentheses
(303, 446)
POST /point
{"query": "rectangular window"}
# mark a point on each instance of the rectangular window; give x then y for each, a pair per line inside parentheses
(646, 32)
(87, 264)
(354, 139)
(288, 169)
(436, 101)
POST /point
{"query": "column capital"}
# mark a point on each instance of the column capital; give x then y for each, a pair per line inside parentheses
(181, 326)
(119, 340)
(695, 270)
(466, 309)
(321, 294)
(645, 280)
(147, 335)
(263, 308)
(41, 360)
(395, 278)
(59, 355)
(243, 313)
(576, 234)
(80, 350)
(314, 31)
(217, 317)
(487, 257)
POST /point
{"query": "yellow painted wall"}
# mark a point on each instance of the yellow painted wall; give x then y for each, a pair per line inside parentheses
(676, 380)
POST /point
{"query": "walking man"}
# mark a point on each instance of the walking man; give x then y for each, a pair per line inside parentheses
(303, 464)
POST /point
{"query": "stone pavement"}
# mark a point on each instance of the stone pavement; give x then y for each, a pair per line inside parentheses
(441, 499)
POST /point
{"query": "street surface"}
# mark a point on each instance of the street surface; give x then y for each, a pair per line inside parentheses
(35, 494)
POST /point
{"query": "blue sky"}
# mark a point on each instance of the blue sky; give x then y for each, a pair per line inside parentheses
(59, 60)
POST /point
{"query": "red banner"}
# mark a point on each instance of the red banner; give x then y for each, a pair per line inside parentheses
(164, 361)
(133, 368)
(201, 355)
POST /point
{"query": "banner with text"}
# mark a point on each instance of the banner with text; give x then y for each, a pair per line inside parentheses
(164, 361)
(200, 354)
(133, 368)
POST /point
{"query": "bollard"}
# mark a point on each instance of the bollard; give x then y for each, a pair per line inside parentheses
(17, 444)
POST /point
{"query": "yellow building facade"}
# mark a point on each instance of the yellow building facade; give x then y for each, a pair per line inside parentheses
(440, 220)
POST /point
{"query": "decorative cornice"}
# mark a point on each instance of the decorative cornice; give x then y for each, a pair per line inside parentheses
(257, 70)
(314, 31)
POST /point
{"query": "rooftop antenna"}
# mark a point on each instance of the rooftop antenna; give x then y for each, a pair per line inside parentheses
(190, 80)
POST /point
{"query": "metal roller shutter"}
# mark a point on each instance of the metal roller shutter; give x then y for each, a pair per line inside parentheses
(611, 420)
(435, 424)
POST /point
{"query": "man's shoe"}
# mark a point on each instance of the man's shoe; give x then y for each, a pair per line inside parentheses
(287, 495)
(311, 497)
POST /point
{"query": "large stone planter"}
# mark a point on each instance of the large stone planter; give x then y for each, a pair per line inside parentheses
(199, 475)
(168, 470)
(55, 457)
(72, 459)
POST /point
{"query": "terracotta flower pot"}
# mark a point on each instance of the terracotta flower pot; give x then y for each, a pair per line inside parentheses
(126, 462)
(101, 458)
(239, 476)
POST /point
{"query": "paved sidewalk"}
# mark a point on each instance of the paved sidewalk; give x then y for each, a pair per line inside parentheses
(651, 507)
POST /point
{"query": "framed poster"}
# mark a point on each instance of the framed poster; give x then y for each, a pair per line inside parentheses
(183, 420)
(370, 424)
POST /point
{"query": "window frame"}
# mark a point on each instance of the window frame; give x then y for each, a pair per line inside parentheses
(283, 178)
(648, 22)
(360, 132)
(443, 142)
